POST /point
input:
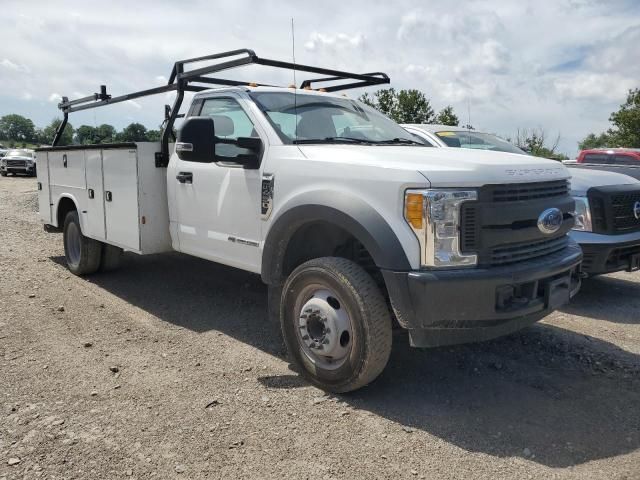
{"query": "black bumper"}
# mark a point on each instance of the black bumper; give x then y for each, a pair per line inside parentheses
(445, 307)
(23, 170)
(611, 257)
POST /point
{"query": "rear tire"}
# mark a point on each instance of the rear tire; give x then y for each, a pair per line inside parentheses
(82, 254)
(111, 258)
(336, 324)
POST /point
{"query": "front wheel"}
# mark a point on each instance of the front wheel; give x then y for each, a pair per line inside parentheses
(81, 253)
(336, 324)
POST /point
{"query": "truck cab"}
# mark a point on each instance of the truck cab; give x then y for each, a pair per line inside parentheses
(354, 224)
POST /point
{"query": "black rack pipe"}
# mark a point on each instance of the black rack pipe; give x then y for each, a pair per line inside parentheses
(182, 81)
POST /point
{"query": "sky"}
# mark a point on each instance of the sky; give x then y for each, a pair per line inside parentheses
(561, 65)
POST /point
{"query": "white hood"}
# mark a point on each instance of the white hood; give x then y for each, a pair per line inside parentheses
(444, 167)
(582, 179)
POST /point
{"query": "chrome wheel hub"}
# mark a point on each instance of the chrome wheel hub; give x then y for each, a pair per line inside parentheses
(324, 330)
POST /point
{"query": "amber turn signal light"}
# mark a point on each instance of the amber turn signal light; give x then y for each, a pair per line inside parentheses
(413, 209)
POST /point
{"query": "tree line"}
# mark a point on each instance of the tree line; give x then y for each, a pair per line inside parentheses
(403, 106)
(20, 130)
(413, 106)
(625, 126)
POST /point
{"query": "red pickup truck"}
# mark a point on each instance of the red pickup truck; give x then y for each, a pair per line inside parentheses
(619, 156)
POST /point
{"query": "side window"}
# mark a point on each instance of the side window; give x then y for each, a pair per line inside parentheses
(231, 122)
(597, 158)
(625, 160)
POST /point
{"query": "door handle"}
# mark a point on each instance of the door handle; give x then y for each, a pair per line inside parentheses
(108, 196)
(185, 177)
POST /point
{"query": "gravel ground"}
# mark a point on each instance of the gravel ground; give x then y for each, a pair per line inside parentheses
(168, 368)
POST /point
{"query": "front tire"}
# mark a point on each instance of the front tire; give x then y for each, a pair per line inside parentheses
(111, 258)
(336, 324)
(81, 253)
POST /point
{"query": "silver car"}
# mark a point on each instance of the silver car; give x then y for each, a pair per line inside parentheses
(18, 161)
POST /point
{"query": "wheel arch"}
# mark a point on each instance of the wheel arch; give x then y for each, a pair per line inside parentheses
(65, 204)
(349, 214)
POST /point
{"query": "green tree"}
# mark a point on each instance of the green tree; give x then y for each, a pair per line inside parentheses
(625, 131)
(534, 142)
(134, 132)
(87, 135)
(604, 140)
(105, 133)
(154, 135)
(405, 106)
(17, 127)
(46, 135)
(627, 121)
(446, 116)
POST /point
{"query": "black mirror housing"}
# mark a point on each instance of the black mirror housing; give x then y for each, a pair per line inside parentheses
(253, 144)
(196, 140)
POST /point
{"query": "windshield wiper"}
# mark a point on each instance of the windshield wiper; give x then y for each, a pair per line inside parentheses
(333, 140)
(400, 141)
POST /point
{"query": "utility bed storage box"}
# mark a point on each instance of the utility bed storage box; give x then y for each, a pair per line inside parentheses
(120, 194)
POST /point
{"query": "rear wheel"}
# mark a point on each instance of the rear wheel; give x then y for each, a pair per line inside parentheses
(335, 324)
(4, 174)
(81, 253)
(111, 258)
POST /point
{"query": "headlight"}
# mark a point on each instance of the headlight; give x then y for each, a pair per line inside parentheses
(434, 216)
(582, 215)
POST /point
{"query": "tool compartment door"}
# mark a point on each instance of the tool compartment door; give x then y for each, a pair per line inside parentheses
(94, 214)
(44, 193)
(120, 169)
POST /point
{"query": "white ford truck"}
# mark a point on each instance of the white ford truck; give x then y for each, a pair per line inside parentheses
(351, 221)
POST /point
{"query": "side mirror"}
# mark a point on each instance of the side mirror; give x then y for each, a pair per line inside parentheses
(196, 140)
(250, 160)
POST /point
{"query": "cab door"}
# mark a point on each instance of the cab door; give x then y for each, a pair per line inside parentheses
(217, 204)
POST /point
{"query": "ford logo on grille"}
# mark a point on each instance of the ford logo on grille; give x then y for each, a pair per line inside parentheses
(550, 221)
(636, 210)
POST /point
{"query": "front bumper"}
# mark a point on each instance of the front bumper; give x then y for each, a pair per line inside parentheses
(30, 170)
(445, 307)
(608, 253)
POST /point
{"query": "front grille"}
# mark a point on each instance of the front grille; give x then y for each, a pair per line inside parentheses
(469, 228)
(503, 255)
(501, 226)
(613, 209)
(622, 208)
(16, 163)
(529, 191)
(598, 214)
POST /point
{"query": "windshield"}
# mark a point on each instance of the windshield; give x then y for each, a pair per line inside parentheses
(19, 153)
(307, 118)
(476, 140)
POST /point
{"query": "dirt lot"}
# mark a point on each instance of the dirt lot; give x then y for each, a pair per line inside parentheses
(169, 369)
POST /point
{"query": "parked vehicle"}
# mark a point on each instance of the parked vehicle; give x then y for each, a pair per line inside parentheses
(619, 156)
(18, 161)
(607, 223)
(607, 220)
(349, 220)
(457, 137)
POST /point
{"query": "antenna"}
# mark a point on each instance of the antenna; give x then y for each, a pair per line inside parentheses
(295, 84)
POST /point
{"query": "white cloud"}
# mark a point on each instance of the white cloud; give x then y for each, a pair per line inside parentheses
(26, 96)
(607, 87)
(337, 41)
(16, 67)
(565, 66)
